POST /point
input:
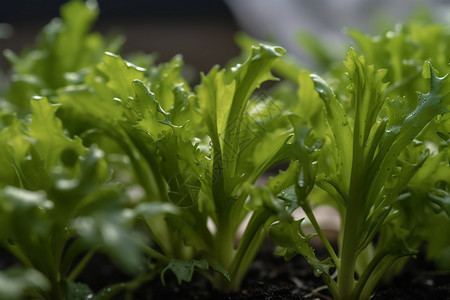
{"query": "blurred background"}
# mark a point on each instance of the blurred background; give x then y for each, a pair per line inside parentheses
(204, 30)
(292, 23)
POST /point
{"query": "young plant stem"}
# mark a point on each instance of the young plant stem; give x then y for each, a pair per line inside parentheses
(248, 247)
(354, 215)
(156, 238)
(80, 266)
(224, 244)
(54, 249)
(224, 237)
(331, 284)
(350, 242)
(312, 218)
(224, 255)
(155, 254)
(14, 250)
(111, 291)
(375, 277)
(368, 273)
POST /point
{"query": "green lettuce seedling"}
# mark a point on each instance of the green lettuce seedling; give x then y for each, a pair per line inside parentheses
(59, 206)
(134, 162)
(198, 149)
(369, 156)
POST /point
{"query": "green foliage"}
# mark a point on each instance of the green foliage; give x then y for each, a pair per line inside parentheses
(382, 163)
(190, 155)
(58, 199)
(15, 282)
(65, 51)
(98, 154)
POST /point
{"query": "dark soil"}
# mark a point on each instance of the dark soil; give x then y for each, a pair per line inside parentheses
(271, 278)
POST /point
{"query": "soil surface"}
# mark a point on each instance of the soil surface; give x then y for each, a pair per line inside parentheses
(270, 278)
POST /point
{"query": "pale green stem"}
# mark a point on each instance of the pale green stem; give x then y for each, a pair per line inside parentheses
(113, 290)
(321, 235)
(367, 275)
(14, 250)
(248, 247)
(80, 266)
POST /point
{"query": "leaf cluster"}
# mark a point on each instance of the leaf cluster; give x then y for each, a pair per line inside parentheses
(101, 154)
(133, 162)
(382, 120)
